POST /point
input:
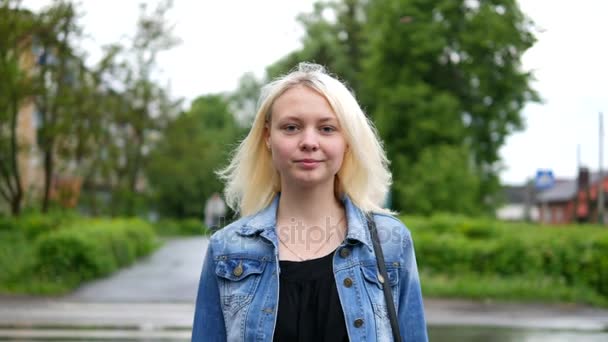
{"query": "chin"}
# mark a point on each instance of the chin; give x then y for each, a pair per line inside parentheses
(310, 180)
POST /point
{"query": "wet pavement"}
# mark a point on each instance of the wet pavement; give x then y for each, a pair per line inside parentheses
(169, 275)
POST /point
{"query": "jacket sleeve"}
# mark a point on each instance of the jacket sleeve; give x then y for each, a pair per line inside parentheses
(208, 317)
(412, 323)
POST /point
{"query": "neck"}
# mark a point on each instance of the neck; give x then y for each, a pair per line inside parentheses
(300, 214)
(309, 205)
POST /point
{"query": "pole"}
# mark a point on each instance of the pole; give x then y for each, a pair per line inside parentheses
(578, 157)
(600, 183)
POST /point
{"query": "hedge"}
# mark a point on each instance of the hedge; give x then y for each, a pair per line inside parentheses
(92, 248)
(35, 224)
(571, 255)
(183, 227)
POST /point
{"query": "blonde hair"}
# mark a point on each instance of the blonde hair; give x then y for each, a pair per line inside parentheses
(251, 179)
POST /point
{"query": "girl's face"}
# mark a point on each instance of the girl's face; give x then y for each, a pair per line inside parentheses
(305, 139)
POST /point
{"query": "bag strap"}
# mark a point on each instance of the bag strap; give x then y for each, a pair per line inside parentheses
(388, 294)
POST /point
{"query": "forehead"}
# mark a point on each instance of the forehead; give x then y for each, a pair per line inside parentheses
(302, 102)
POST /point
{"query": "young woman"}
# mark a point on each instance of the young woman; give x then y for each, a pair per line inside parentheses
(299, 265)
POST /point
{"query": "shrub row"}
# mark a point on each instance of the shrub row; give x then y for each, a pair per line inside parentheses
(185, 227)
(35, 224)
(571, 255)
(91, 248)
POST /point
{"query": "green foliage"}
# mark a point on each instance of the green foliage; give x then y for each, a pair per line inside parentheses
(16, 254)
(182, 167)
(32, 224)
(337, 45)
(183, 227)
(568, 256)
(447, 72)
(15, 88)
(445, 180)
(516, 288)
(88, 250)
(60, 257)
(243, 100)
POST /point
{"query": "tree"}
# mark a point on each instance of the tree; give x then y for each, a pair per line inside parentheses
(334, 43)
(451, 186)
(16, 28)
(243, 100)
(447, 72)
(182, 166)
(57, 78)
(144, 108)
(432, 75)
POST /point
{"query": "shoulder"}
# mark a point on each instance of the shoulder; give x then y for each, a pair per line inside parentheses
(386, 222)
(235, 238)
(229, 231)
(392, 232)
(221, 241)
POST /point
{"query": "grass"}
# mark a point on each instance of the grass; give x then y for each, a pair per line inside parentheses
(522, 289)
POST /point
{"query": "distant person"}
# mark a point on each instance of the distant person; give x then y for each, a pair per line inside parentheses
(215, 211)
(302, 261)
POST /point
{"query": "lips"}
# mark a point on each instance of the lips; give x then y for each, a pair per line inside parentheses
(308, 163)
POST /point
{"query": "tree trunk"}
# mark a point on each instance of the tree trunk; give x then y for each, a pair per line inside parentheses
(18, 193)
(16, 204)
(48, 177)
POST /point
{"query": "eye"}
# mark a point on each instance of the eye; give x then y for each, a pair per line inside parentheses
(290, 128)
(328, 129)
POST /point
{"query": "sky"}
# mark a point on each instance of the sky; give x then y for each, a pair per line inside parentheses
(222, 40)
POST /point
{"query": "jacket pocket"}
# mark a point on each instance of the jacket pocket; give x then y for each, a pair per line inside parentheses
(238, 280)
(374, 286)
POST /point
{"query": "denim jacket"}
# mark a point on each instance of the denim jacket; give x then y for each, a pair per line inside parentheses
(238, 293)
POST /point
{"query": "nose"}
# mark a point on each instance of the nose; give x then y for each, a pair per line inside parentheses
(310, 140)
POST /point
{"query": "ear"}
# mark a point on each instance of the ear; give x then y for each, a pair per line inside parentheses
(267, 134)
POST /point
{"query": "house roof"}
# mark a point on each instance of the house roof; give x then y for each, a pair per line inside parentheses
(514, 193)
(564, 190)
(560, 192)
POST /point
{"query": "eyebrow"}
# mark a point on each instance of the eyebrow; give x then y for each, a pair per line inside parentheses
(297, 118)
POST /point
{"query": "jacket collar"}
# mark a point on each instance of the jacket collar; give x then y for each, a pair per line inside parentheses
(264, 222)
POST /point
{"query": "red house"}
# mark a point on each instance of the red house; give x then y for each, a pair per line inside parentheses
(571, 201)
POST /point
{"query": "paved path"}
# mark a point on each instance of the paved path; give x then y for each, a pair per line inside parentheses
(52, 318)
(154, 299)
(170, 275)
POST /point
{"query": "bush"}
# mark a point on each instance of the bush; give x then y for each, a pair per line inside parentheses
(184, 227)
(91, 249)
(7, 224)
(35, 224)
(569, 255)
(15, 255)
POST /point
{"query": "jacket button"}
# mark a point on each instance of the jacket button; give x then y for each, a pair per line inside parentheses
(358, 323)
(238, 270)
(348, 282)
(345, 252)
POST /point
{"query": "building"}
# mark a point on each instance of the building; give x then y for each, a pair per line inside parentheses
(519, 204)
(571, 201)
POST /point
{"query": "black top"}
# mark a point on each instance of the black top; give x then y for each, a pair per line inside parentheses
(309, 306)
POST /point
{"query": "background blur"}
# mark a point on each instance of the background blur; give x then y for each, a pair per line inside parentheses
(114, 117)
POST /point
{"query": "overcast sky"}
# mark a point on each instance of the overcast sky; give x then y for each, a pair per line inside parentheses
(221, 40)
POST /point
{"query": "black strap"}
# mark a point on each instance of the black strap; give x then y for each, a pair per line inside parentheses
(388, 294)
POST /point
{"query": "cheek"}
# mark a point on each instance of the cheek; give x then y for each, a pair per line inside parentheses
(337, 152)
(281, 153)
